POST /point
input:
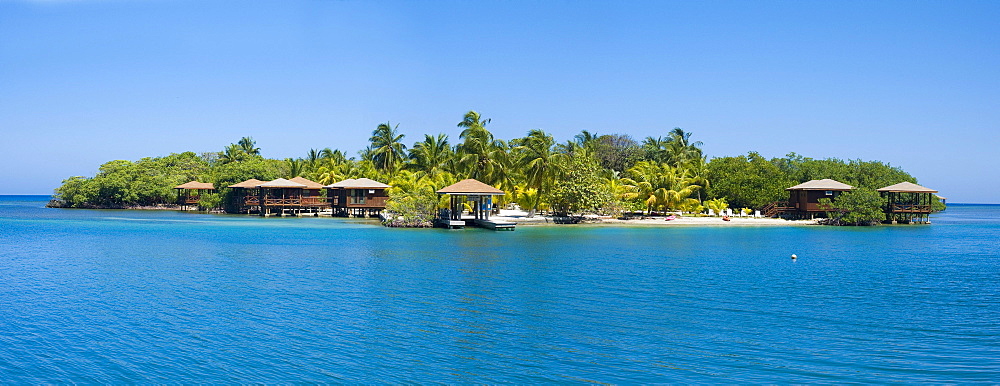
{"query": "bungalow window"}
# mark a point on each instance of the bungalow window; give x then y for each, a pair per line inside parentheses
(357, 196)
(829, 192)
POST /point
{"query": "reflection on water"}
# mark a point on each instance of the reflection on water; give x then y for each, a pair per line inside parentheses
(154, 296)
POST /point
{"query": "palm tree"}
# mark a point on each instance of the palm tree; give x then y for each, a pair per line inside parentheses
(586, 138)
(232, 153)
(295, 167)
(658, 185)
(480, 156)
(312, 157)
(386, 148)
(431, 155)
(698, 174)
(335, 155)
(248, 145)
(536, 157)
(656, 148)
(680, 149)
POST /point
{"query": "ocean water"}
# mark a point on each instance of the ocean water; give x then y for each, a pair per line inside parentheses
(104, 296)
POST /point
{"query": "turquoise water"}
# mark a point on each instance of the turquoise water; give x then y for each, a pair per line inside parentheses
(154, 296)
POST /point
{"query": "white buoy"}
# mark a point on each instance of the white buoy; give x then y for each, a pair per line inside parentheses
(794, 257)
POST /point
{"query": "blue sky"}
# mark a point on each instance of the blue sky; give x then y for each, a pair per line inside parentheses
(912, 83)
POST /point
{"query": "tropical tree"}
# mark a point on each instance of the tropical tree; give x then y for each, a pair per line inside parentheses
(659, 186)
(480, 155)
(249, 146)
(312, 159)
(537, 159)
(857, 207)
(432, 155)
(580, 189)
(748, 181)
(386, 149)
(295, 167)
(680, 149)
(655, 149)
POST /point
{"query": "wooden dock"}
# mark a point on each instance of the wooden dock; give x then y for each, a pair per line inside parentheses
(495, 225)
(450, 224)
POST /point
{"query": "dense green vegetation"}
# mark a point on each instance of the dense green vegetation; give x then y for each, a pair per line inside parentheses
(589, 173)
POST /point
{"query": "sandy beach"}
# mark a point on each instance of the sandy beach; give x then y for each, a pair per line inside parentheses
(521, 218)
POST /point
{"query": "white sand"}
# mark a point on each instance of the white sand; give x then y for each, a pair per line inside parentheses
(521, 218)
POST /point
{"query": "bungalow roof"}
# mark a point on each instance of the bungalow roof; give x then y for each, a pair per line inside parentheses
(195, 185)
(281, 183)
(472, 187)
(248, 184)
(907, 187)
(308, 183)
(824, 184)
(358, 183)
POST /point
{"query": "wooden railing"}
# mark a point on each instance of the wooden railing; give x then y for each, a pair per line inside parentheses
(282, 201)
(314, 201)
(189, 200)
(251, 200)
(775, 208)
(910, 208)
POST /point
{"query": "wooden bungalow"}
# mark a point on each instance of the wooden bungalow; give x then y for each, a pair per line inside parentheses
(907, 202)
(357, 197)
(480, 196)
(190, 193)
(803, 199)
(281, 195)
(312, 197)
(246, 197)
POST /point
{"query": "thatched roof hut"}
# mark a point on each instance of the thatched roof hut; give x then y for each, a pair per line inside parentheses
(476, 192)
(311, 185)
(195, 185)
(248, 184)
(824, 184)
(470, 187)
(907, 187)
(281, 183)
(358, 183)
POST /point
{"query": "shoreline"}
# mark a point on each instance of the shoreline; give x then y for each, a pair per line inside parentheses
(661, 221)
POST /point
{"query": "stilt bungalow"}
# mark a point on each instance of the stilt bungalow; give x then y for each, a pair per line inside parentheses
(312, 197)
(480, 196)
(803, 199)
(246, 197)
(357, 197)
(190, 193)
(907, 202)
(279, 196)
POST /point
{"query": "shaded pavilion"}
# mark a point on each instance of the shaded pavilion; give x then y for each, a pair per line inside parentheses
(357, 197)
(480, 195)
(907, 202)
(803, 199)
(312, 196)
(247, 196)
(190, 193)
(280, 195)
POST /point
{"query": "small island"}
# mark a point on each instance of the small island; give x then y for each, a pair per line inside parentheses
(609, 178)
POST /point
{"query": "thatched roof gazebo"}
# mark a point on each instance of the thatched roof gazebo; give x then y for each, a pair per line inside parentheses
(480, 194)
(190, 192)
(907, 202)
